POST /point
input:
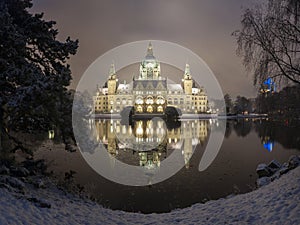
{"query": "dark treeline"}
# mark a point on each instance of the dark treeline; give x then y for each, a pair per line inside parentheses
(284, 104)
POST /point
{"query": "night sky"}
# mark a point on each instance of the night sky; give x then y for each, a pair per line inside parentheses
(204, 26)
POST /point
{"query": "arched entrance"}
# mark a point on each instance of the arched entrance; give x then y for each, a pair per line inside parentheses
(139, 109)
(149, 109)
(160, 109)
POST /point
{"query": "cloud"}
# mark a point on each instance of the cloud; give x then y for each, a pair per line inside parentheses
(203, 26)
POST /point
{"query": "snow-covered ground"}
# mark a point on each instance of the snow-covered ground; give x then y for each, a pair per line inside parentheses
(276, 203)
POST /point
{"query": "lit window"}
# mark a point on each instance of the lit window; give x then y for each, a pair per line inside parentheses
(139, 100)
(149, 100)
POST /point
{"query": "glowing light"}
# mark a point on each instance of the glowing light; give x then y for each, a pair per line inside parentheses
(51, 134)
(139, 130)
(269, 146)
(271, 86)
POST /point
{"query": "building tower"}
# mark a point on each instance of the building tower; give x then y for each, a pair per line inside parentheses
(187, 80)
(150, 67)
(112, 80)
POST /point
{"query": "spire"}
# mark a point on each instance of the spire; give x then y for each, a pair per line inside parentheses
(112, 70)
(187, 72)
(150, 50)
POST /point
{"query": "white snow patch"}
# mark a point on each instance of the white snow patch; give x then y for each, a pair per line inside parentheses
(276, 203)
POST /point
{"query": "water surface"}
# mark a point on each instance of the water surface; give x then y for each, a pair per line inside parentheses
(247, 143)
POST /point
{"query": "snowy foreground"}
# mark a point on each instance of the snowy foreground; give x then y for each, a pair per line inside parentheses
(276, 203)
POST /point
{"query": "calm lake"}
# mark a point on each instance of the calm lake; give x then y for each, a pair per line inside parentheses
(247, 143)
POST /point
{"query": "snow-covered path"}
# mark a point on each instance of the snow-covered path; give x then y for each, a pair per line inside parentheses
(276, 203)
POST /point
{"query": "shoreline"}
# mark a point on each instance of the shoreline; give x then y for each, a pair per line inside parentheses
(186, 116)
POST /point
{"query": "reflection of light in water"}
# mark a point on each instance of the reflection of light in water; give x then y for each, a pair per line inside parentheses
(51, 134)
(195, 141)
(160, 132)
(123, 129)
(152, 135)
(149, 131)
(269, 145)
(129, 131)
(139, 129)
(177, 145)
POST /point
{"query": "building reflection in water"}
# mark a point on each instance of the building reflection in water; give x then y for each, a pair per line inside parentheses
(147, 142)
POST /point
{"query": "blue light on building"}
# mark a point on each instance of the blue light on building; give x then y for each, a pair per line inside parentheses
(270, 84)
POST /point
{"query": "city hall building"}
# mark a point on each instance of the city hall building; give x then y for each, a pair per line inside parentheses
(150, 92)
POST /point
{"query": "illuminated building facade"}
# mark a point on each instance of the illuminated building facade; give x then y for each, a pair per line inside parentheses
(149, 92)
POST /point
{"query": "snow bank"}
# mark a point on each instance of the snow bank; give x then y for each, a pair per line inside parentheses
(276, 203)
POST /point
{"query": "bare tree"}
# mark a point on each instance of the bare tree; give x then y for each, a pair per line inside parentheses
(269, 41)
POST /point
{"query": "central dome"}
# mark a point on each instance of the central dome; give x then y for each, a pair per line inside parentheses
(150, 59)
(150, 67)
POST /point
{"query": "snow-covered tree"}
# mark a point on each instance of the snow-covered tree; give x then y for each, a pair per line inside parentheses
(34, 72)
